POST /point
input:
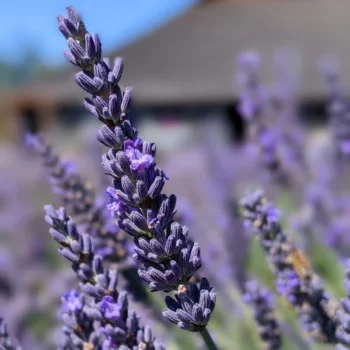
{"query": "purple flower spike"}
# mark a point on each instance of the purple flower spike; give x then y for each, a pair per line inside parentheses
(167, 258)
(98, 314)
(269, 129)
(294, 278)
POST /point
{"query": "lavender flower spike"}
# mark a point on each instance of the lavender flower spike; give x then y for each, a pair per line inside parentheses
(253, 107)
(98, 316)
(252, 97)
(260, 299)
(166, 256)
(294, 278)
(343, 331)
(6, 343)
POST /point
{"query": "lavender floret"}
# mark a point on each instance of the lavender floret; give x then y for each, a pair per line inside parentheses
(261, 301)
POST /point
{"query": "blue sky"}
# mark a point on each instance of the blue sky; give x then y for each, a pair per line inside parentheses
(32, 24)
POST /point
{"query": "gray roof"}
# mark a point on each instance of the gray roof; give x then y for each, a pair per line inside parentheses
(192, 58)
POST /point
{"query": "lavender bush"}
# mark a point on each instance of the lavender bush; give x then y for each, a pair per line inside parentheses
(128, 243)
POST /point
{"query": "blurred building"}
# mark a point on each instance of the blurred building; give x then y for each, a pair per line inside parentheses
(187, 66)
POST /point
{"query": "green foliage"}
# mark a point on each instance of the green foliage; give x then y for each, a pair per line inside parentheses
(256, 264)
(326, 264)
(52, 258)
(39, 323)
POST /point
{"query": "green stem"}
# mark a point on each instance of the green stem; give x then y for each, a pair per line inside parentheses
(208, 340)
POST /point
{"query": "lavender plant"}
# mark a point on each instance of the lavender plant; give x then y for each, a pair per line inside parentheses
(294, 278)
(96, 238)
(167, 258)
(261, 300)
(98, 316)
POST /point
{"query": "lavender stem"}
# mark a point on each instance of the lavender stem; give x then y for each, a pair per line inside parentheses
(208, 340)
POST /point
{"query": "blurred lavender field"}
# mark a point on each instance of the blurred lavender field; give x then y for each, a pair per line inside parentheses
(254, 102)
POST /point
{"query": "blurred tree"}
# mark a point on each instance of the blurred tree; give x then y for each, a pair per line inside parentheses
(27, 65)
